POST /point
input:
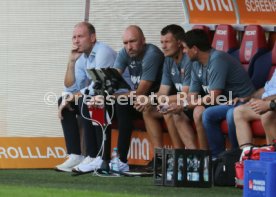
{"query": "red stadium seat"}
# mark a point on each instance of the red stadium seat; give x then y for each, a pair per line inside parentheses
(271, 39)
(225, 39)
(253, 45)
(224, 127)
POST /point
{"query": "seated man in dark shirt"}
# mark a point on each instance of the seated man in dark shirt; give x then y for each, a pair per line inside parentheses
(144, 62)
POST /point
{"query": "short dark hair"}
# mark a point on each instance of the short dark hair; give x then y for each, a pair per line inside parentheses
(90, 27)
(176, 30)
(198, 38)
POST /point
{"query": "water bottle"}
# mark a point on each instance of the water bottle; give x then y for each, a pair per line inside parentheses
(115, 161)
(206, 170)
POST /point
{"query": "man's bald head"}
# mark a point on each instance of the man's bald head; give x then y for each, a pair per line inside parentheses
(134, 40)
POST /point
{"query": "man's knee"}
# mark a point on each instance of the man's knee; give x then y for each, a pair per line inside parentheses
(230, 114)
(168, 117)
(208, 114)
(151, 114)
(147, 114)
(198, 111)
(181, 118)
(268, 118)
(239, 112)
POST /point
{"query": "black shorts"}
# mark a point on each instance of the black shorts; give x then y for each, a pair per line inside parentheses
(189, 113)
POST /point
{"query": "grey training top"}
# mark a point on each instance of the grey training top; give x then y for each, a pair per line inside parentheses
(178, 75)
(146, 67)
(222, 72)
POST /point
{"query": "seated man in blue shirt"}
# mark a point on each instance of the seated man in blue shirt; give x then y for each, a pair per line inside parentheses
(144, 62)
(86, 53)
(261, 107)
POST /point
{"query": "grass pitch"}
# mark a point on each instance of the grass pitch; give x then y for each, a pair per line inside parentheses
(49, 183)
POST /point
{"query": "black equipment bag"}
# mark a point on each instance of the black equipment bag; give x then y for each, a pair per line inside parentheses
(224, 168)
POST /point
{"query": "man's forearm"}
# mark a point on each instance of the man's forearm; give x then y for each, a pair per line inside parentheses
(69, 78)
(258, 93)
(209, 99)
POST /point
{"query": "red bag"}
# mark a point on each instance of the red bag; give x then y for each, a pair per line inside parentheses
(97, 116)
(239, 167)
(252, 153)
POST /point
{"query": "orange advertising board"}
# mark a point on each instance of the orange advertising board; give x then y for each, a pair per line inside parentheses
(260, 12)
(141, 151)
(31, 152)
(47, 152)
(211, 11)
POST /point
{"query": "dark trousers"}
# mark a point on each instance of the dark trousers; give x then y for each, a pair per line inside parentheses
(125, 115)
(93, 135)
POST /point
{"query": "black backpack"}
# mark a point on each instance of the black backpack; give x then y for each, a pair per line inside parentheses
(224, 168)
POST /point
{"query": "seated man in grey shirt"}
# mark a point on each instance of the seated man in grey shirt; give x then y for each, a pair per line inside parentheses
(220, 76)
(144, 62)
(176, 74)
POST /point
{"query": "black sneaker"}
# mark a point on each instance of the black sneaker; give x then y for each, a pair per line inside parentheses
(105, 169)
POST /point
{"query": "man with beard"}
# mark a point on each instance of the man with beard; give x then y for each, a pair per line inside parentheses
(220, 76)
(144, 62)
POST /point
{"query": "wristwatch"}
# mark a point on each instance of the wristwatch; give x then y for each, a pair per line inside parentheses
(272, 105)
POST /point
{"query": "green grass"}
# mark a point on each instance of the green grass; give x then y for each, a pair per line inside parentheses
(46, 183)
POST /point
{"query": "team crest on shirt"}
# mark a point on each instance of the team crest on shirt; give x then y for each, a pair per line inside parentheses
(205, 89)
(132, 65)
(173, 72)
(135, 79)
(178, 86)
(199, 73)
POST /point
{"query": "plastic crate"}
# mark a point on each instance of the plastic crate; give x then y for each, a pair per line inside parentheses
(268, 156)
(259, 179)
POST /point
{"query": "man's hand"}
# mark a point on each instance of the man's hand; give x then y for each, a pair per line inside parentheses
(142, 103)
(75, 54)
(259, 106)
(63, 105)
(69, 78)
(174, 108)
(162, 109)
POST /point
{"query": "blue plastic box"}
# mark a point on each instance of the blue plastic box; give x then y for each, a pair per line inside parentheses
(259, 179)
(268, 156)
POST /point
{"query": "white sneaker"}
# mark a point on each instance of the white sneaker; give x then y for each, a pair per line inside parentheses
(92, 166)
(72, 161)
(87, 160)
(123, 167)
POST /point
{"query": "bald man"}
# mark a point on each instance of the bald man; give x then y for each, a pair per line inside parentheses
(145, 62)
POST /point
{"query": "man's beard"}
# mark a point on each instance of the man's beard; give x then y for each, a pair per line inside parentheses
(193, 59)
